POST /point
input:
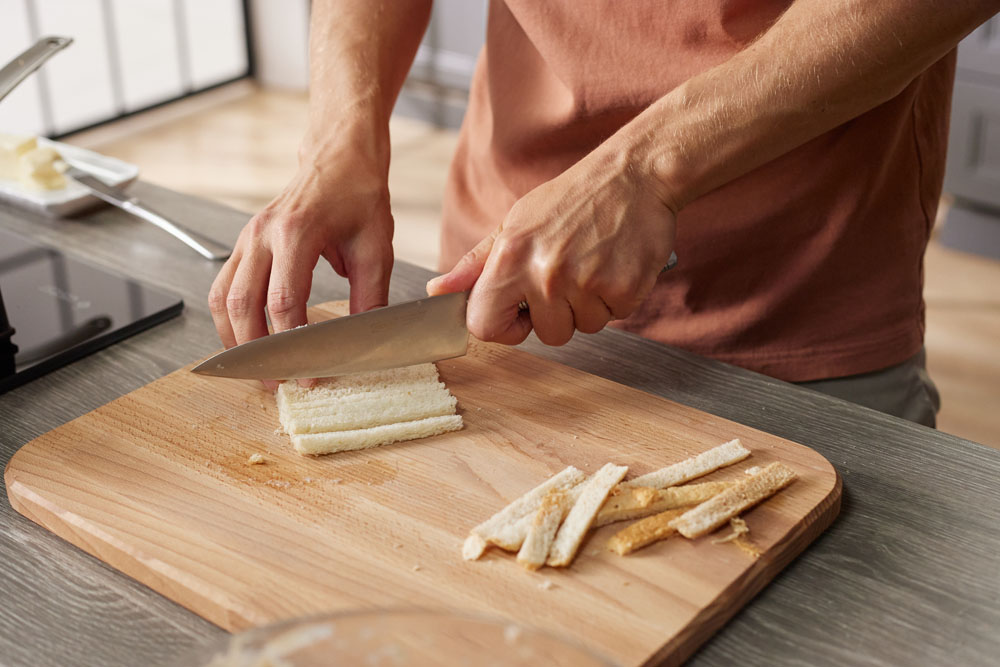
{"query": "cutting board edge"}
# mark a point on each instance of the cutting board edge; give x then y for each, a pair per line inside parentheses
(84, 534)
(752, 581)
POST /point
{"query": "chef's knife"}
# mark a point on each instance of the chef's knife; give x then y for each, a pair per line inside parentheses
(409, 333)
(203, 245)
(416, 332)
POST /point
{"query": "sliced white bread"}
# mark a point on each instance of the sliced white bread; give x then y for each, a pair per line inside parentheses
(371, 409)
(386, 434)
(365, 410)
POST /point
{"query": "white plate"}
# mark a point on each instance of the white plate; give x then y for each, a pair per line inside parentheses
(73, 198)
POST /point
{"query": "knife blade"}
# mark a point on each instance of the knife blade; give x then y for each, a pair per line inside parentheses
(201, 244)
(415, 332)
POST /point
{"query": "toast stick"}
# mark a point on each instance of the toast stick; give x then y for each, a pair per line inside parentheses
(645, 532)
(543, 529)
(696, 466)
(746, 493)
(506, 528)
(581, 515)
(636, 503)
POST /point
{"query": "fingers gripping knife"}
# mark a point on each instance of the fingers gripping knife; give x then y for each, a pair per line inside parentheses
(671, 263)
(415, 332)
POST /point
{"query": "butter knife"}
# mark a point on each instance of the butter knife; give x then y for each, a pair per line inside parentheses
(203, 245)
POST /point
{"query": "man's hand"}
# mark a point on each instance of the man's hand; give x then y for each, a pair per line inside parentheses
(332, 211)
(337, 206)
(581, 250)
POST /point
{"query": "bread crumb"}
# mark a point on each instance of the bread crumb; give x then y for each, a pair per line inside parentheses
(397, 545)
(576, 437)
(752, 471)
(336, 481)
(308, 480)
(739, 527)
(545, 584)
(416, 568)
(255, 459)
(278, 484)
(512, 633)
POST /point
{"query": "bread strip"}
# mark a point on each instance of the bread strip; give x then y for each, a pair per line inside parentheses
(645, 532)
(543, 529)
(378, 410)
(716, 511)
(342, 441)
(633, 503)
(473, 547)
(582, 514)
(508, 527)
(696, 466)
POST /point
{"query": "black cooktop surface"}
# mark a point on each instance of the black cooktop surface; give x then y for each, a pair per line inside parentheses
(55, 309)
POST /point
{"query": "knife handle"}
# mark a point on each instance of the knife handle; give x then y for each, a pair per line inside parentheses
(671, 262)
(201, 244)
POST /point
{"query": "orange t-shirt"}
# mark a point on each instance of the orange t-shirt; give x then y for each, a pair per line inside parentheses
(808, 267)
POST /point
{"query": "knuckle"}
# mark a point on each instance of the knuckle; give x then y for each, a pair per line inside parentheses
(240, 302)
(509, 249)
(282, 301)
(217, 300)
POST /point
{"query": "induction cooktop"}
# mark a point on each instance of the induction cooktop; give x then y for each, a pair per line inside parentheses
(55, 309)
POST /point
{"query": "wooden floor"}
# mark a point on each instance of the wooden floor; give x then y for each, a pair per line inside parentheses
(238, 145)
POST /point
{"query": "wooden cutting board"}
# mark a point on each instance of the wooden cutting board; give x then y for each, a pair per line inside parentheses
(157, 484)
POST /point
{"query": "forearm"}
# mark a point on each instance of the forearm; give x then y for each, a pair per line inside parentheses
(821, 64)
(359, 54)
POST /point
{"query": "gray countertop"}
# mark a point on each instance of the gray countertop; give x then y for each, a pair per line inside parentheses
(909, 574)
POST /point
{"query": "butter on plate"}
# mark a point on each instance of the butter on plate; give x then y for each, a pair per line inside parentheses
(32, 166)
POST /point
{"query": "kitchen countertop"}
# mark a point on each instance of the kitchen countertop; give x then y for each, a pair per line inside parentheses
(908, 574)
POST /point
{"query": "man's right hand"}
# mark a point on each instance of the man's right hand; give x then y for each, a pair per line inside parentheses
(333, 208)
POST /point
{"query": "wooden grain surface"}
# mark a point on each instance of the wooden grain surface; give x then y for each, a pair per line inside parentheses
(157, 484)
(907, 574)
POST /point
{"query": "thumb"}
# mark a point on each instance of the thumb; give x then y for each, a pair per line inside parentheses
(466, 272)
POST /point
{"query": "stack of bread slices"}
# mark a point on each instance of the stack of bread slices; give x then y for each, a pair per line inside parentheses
(364, 410)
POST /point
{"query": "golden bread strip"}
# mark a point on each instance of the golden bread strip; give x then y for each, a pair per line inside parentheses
(645, 532)
(636, 502)
(506, 528)
(543, 529)
(581, 515)
(696, 466)
(746, 493)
